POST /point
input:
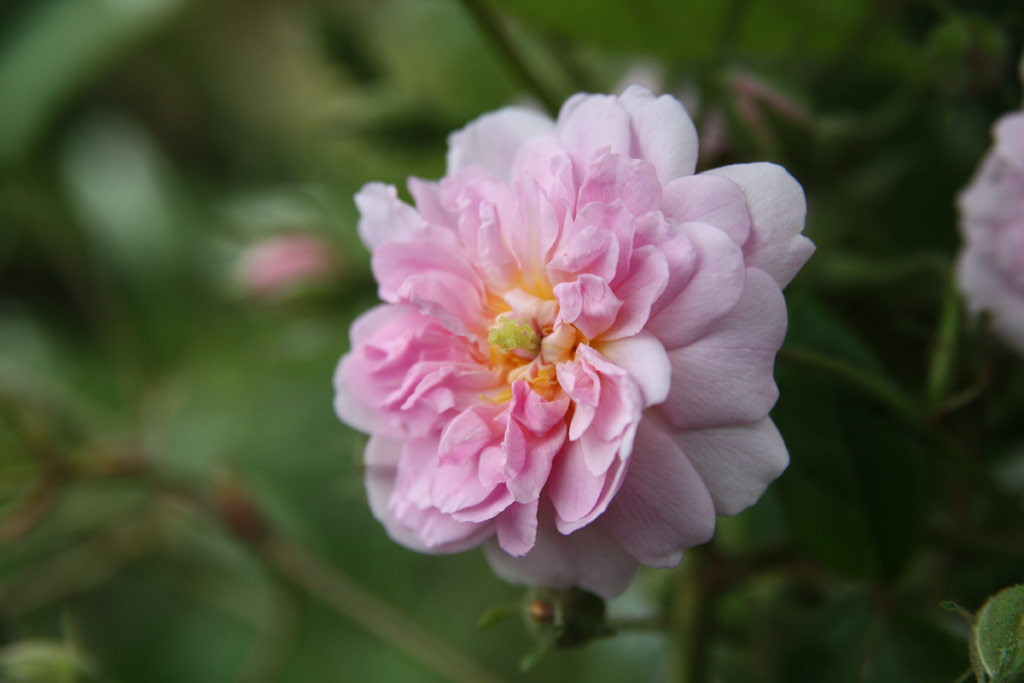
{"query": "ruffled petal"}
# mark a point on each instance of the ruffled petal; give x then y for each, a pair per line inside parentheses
(578, 495)
(434, 280)
(588, 123)
(384, 218)
(425, 530)
(589, 303)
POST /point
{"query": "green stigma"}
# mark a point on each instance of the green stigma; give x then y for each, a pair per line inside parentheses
(511, 334)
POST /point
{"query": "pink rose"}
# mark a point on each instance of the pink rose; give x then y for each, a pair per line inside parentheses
(574, 363)
(991, 266)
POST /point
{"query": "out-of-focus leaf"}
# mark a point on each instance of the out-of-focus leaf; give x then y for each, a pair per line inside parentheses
(121, 190)
(41, 661)
(854, 491)
(692, 29)
(848, 641)
(55, 49)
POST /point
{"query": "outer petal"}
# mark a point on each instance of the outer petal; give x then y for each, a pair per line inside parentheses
(493, 140)
(663, 505)
(726, 376)
(589, 558)
(714, 288)
(778, 209)
(663, 133)
(736, 463)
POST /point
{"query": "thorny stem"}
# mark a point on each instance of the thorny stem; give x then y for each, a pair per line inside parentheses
(489, 23)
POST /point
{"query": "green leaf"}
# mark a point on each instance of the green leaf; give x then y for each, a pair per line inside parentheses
(55, 50)
(999, 634)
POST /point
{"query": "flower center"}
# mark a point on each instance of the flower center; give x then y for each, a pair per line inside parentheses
(525, 344)
(513, 334)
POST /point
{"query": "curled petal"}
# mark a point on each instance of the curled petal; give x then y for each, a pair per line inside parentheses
(384, 218)
(647, 362)
(777, 210)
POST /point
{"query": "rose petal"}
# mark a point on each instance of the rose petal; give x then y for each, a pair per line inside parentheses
(736, 463)
(493, 140)
(663, 132)
(589, 558)
(663, 505)
(709, 199)
(726, 376)
(646, 361)
(517, 528)
(777, 210)
(712, 291)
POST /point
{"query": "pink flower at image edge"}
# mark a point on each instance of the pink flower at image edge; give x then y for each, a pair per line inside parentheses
(990, 271)
(573, 366)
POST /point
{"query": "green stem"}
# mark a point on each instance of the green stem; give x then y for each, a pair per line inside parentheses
(309, 573)
(943, 358)
(491, 26)
(690, 615)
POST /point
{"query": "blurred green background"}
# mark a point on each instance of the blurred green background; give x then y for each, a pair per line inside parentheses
(178, 501)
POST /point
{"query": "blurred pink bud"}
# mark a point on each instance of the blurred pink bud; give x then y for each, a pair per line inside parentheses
(283, 263)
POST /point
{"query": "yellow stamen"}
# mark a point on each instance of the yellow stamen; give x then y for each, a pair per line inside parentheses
(512, 334)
